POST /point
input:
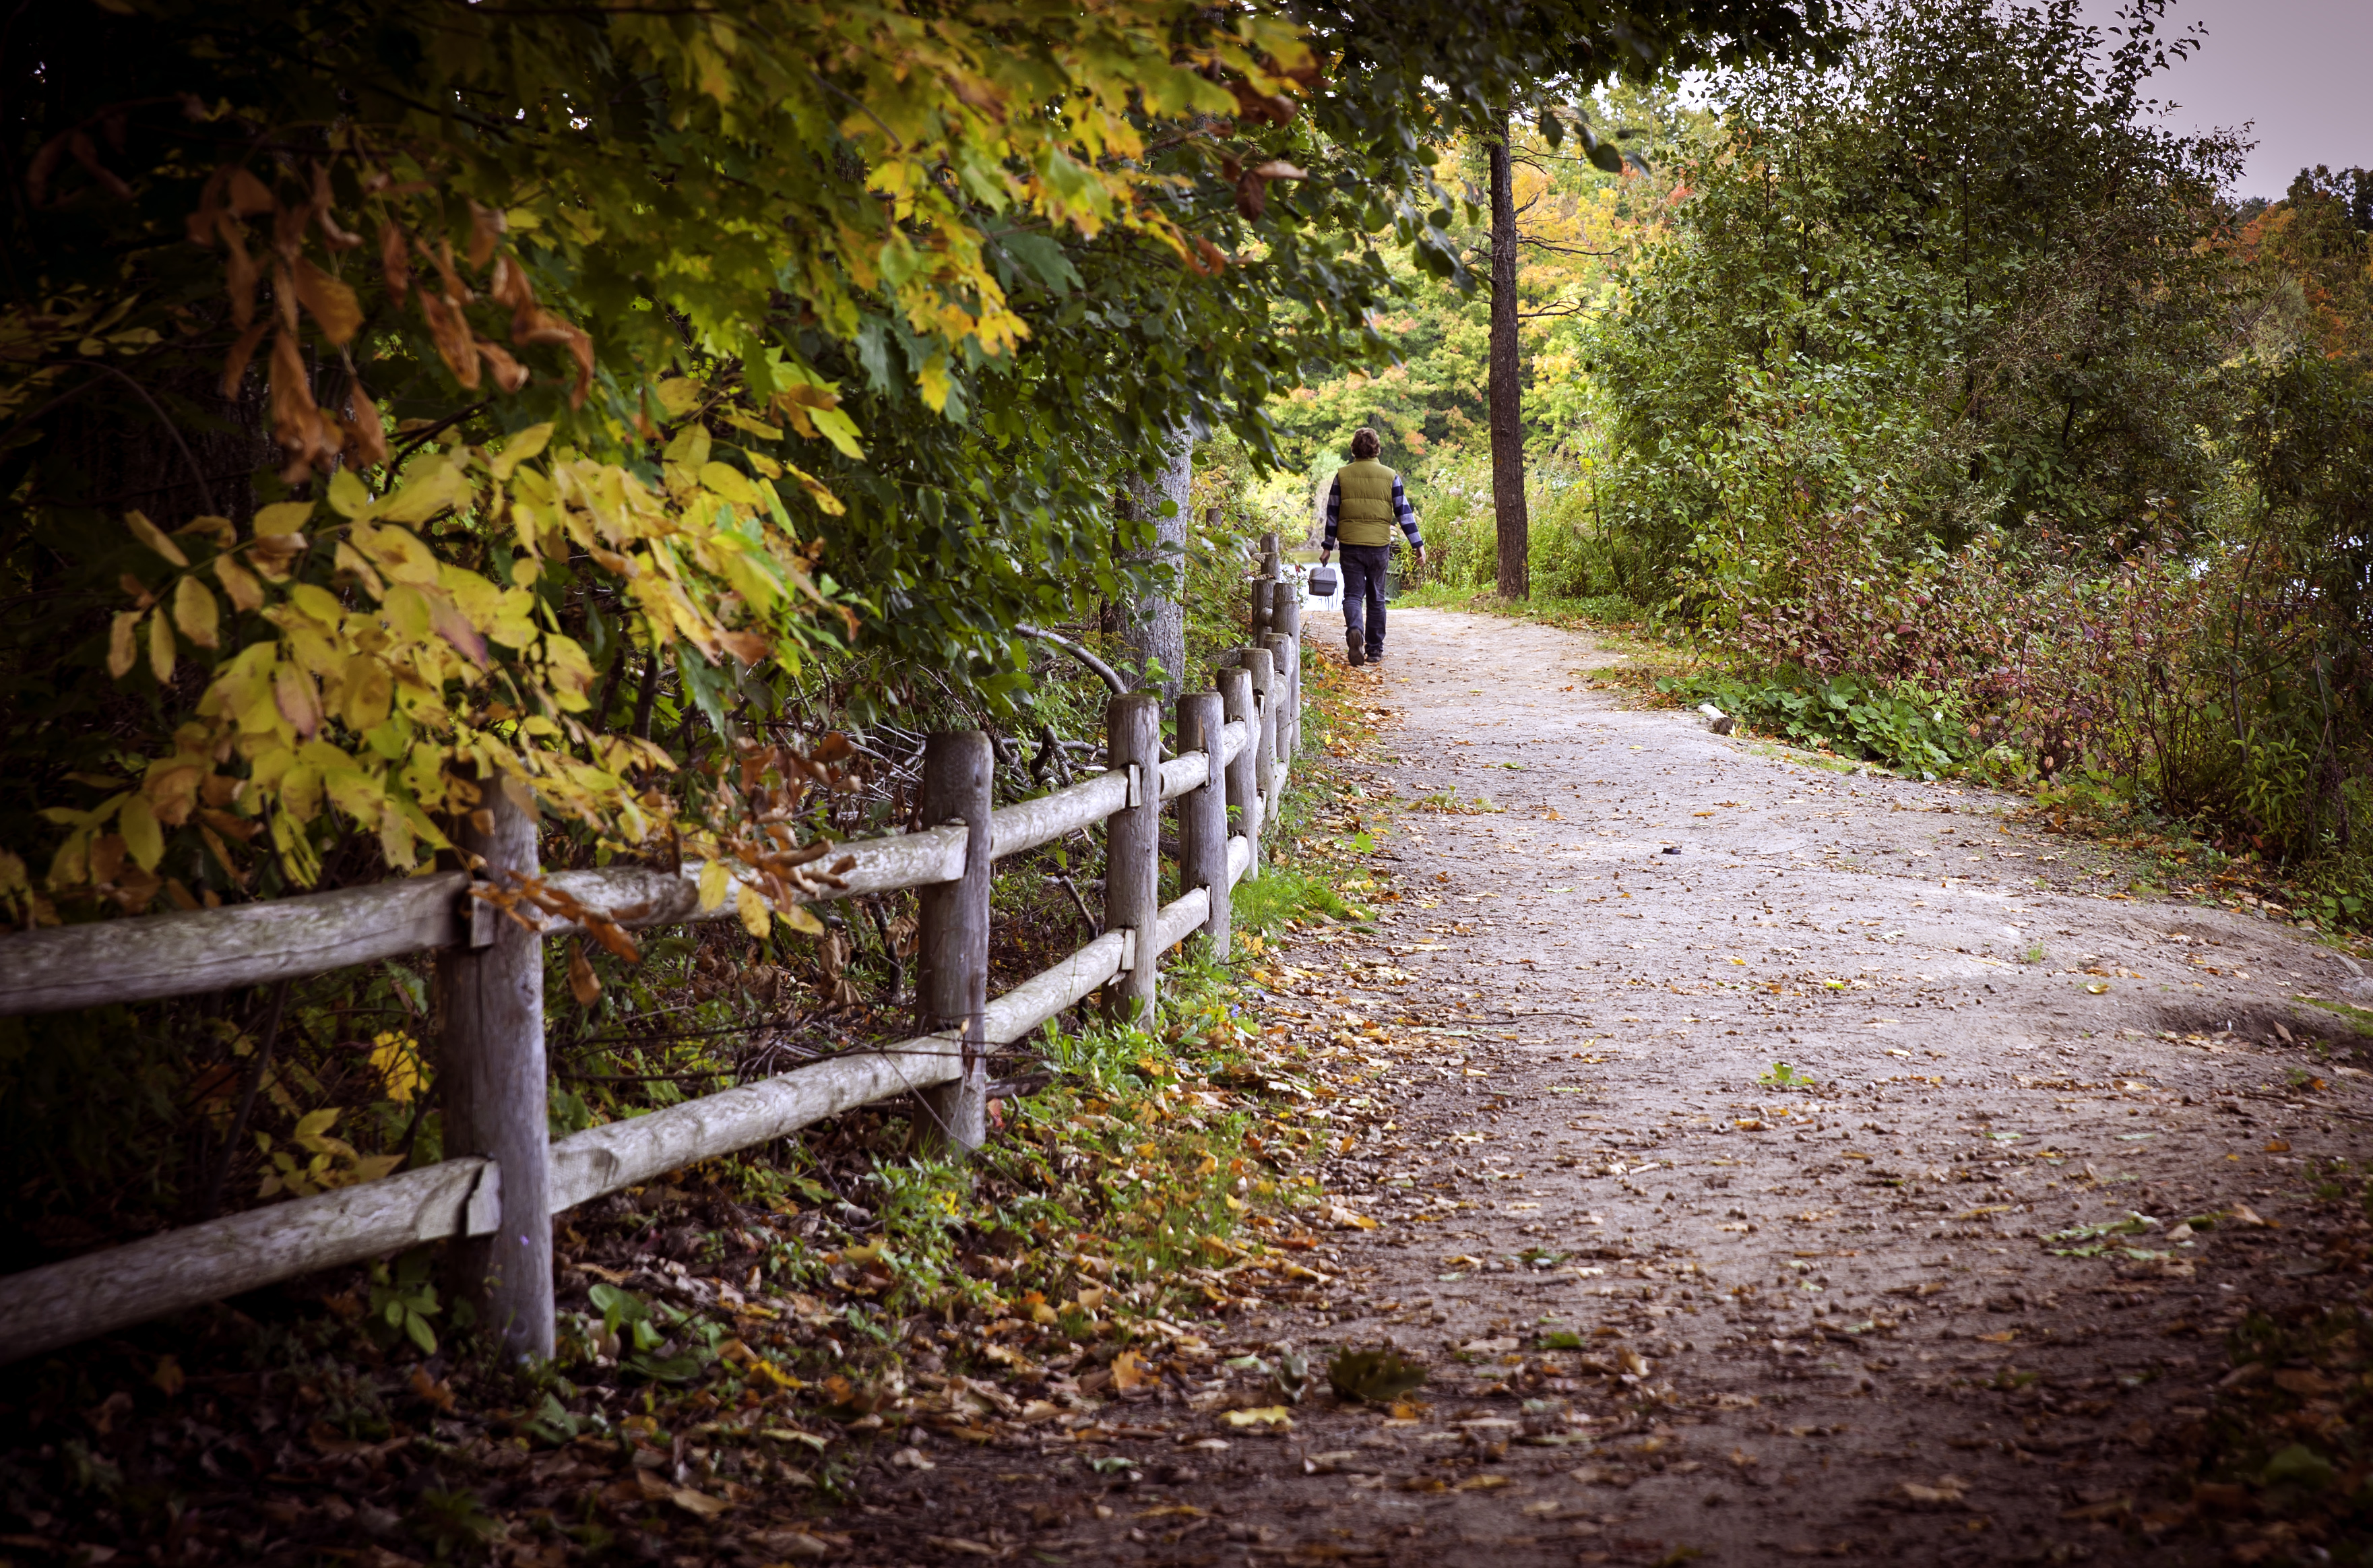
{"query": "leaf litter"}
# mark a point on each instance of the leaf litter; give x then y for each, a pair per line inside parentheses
(1109, 1319)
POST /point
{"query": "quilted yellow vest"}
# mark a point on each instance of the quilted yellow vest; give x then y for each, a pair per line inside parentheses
(1367, 516)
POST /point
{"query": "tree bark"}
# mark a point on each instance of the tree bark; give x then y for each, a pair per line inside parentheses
(1514, 528)
(1153, 627)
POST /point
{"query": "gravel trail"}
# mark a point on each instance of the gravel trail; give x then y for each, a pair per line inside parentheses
(1675, 1297)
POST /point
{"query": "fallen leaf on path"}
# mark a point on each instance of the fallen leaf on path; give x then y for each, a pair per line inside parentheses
(700, 1502)
(1948, 1489)
(1276, 1416)
(1374, 1376)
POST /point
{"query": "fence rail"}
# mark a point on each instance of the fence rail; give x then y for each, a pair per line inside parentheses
(1235, 749)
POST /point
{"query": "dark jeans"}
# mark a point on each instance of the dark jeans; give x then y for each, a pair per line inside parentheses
(1364, 592)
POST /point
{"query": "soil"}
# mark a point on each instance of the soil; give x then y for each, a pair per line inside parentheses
(1676, 1299)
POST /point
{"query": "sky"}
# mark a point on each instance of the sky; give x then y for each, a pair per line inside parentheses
(2298, 68)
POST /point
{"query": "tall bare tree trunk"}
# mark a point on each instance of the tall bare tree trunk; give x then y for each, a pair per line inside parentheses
(1514, 528)
(1153, 628)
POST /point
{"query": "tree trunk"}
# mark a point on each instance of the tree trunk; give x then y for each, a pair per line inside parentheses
(1514, 529)
(1153, 627)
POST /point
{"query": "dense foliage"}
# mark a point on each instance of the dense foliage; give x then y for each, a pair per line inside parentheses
(2027, 429)
(410, 400)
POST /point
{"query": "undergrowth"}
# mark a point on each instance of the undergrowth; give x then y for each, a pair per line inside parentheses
(754, 1334)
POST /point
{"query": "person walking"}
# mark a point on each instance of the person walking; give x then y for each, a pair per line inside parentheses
(1362, 504)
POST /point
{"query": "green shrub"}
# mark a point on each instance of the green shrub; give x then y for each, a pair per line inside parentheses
(1902, 725)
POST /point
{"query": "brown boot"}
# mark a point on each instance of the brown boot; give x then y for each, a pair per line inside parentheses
(1355, 647)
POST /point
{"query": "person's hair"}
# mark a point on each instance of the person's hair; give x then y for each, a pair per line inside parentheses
(1364, 444)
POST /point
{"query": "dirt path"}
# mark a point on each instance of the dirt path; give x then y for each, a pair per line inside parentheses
(1674, 1301)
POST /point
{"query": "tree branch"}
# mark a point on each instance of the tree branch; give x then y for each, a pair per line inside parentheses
(206, 492)
(1119, 686)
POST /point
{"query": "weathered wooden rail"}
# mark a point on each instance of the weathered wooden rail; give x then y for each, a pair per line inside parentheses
(504, 1177)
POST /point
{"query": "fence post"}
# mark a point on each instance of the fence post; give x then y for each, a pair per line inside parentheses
(952, 947)
(1133, 848)
(491, 1077)
(1264, 606)
(1258, 663)
(1236, 702)
(1203, 814)
(1285, 659)
(1271, 558)
(1286, 616)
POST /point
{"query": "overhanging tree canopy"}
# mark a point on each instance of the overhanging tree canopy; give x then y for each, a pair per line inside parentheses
(464, 362)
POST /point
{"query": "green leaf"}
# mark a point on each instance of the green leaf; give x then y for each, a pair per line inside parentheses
(1374, 1378)
(1044, 258)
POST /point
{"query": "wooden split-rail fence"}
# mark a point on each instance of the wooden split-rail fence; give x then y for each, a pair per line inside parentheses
(504, 1177)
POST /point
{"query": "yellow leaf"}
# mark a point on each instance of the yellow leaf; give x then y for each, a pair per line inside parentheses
(372, 1167)
(283, 517)
(443, 488)
(699, 1503)
(715, 881)
(121, 648)
(221, 530)
(315, 1123)
(1128, 1373)
(751, 908)
(1265, 1415)
(679, 395)
(246, 593)
(168, 1377)
(349, 496)
(728, 482)
(841, 430)
(369, 691)
(518, 449)
(397, 1059)
(142, 837)
(758, 428)
(827, 502)
(148, 534)
(798, 919)
(195, 612)
(292, 691)
(160, 648)
(934, 381)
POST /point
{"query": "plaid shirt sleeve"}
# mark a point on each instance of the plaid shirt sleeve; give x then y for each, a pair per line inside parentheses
(1401, 510)
(1334, 510)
